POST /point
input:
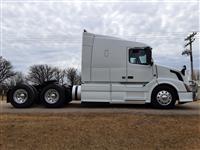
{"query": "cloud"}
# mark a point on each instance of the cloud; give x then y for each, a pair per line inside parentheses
(50, 33)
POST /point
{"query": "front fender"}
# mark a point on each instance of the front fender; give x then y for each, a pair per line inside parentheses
(178, 85)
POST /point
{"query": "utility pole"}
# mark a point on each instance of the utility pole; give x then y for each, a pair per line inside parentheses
(190, 39)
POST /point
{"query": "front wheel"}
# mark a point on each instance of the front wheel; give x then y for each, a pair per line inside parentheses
(163, 97)
(53, 96)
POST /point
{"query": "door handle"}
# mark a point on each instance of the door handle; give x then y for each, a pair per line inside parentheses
(130, 77)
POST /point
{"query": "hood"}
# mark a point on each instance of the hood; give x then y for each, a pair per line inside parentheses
(168, 68)
(169, 72)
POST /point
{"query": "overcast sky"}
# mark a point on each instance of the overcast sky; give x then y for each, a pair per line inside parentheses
(49, 32)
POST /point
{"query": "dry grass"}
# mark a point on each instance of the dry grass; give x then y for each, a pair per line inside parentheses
(2, 98)
(98, 131)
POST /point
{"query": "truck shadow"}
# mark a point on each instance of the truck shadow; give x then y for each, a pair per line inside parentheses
(115, 106)
(127, 106)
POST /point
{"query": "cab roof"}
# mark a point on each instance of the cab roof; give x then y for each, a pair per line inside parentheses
(139, 44)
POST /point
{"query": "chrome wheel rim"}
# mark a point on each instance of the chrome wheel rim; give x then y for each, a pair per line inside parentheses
(164, 97)
(20, 96)
(51, 96)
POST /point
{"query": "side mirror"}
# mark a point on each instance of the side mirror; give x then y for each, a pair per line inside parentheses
(149, 56)
(183, 70)
(151, 63)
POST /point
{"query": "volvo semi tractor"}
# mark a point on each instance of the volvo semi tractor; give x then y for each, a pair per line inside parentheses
(113, 71)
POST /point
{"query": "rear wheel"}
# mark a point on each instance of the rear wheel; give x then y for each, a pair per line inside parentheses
(53, 96)
(163, 97)
(22, 96)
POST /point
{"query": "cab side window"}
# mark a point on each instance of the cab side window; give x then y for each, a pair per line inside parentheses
(137, 56)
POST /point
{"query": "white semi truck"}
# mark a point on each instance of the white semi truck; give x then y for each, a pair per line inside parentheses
(113, 71)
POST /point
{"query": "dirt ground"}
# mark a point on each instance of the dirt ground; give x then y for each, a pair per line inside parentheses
(106, 131)
(2, 98)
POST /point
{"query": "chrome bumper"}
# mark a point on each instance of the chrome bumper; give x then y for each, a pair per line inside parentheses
(185, 97)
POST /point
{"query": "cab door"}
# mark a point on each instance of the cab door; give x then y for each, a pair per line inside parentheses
(138, 69)
(139, 72)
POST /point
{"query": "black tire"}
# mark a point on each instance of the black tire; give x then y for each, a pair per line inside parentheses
(27, 90)
(169, 99)
(59, 93)
(37, 97)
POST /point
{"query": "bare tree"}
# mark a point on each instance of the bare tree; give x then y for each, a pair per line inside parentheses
(38, 74)
(5, 70)
(196, 75)
(73, 76)
(78, 79)
(59, 75)
(16, 79)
